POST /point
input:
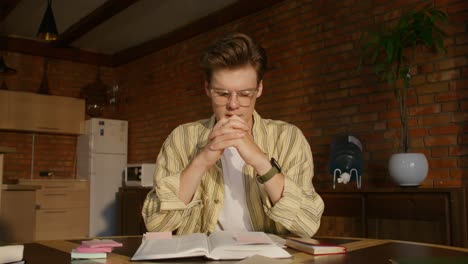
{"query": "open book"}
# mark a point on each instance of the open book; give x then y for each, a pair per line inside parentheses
(314, 247)
(218, 245)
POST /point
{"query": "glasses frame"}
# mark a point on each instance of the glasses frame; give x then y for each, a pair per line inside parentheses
(214, 92)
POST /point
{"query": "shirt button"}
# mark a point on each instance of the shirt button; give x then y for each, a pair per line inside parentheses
(216, 201)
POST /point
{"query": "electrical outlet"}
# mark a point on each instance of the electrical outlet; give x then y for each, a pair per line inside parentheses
(46, 173)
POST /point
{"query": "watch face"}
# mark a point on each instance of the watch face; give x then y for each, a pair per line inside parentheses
(275, 163)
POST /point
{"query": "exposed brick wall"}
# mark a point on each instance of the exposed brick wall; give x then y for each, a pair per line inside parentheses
(38, 151)
(313, 83)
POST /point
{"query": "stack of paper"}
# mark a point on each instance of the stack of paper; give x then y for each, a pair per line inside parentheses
(12, 253)
(94, 249)
(314, 247)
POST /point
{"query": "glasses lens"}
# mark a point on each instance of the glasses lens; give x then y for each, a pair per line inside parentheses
(222, 97)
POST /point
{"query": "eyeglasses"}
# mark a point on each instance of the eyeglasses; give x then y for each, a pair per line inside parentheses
(244, 97)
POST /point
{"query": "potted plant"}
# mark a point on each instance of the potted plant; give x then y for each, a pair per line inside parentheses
(389, 50)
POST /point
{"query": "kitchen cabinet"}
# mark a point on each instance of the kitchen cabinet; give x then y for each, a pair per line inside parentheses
(131, 200)
(17, 211)
(42, 113)
(62, 209)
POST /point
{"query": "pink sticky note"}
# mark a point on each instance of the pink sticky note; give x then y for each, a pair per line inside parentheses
(157, 235)
(85, 249)
(97, 243)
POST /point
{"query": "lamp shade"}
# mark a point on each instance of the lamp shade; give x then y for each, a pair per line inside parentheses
(48, 28)
(4, 69)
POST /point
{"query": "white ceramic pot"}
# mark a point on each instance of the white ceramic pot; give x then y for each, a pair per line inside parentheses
(408, 169)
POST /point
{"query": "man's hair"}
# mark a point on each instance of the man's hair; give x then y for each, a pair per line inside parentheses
(234, 51)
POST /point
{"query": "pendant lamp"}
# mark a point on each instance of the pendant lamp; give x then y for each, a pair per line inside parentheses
(48, 29)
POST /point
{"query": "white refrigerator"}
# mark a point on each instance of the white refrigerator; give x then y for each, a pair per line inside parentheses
(102, 159)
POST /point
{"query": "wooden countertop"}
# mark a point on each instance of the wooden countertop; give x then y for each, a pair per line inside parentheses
(7, 149)
(360, 251)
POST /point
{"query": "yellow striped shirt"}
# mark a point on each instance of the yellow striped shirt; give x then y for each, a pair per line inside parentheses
(298, 211)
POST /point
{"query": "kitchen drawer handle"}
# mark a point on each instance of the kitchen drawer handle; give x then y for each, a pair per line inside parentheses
(55, 187)
(48, 128)
(55, 194)
(54, 212)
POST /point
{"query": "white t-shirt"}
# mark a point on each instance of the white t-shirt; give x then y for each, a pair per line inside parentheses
(234, 215)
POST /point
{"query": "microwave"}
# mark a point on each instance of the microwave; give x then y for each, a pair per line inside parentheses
(139, 174)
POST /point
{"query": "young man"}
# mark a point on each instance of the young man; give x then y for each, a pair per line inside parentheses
(234, 171)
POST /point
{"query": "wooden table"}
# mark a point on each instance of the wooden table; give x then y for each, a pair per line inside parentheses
(359, 251)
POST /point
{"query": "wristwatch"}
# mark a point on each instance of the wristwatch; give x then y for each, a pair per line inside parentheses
(275, 168)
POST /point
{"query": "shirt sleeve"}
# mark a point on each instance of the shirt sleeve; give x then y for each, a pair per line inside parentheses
(300, 209)
(162, 209)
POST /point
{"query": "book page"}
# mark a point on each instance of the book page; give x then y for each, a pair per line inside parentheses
(176, 247)
(223, 245)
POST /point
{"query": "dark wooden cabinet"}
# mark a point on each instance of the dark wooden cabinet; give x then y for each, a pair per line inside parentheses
(130, 204)
(415, 214)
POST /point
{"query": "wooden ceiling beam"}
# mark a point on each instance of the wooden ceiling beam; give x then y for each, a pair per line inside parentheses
(228, 14)
(6, 6)
(92, 20)
(39, 48)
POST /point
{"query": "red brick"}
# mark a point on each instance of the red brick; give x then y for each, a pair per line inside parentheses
(458, 7)
(443, 163)
(431, 141)
(459, 117)
(453, 63)
(417, 80)
(443, 75)
(463, 106)
(442, 118)
(389, 114)
(427, 183)
(456, 173)
(425, 68)
(432, 88)
(359, 118)
(380, 126)
(416, 142)
(336, 94)
(461, 88)
(461, 39)
(449, 129)
(424, 110)
(463, 139)
(447, 183)
(364, 108)
(438, 173)
(450, 107)
(350, 83)
(459, 150)
(463, 162)
(417, 132)
(438, 152)
(426, 99)
(444, 97)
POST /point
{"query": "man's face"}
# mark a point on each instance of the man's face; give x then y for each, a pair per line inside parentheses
(242, 81)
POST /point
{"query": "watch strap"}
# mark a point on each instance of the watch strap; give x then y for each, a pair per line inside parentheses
(272, 172)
